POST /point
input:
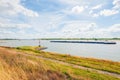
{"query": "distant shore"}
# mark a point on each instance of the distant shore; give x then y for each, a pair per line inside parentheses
(63, 39)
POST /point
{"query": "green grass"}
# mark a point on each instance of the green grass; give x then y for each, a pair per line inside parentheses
(20, 67)
(104, 65)
(28, 47)
(78, 73)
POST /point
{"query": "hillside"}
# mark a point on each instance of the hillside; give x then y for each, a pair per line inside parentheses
(27, 63)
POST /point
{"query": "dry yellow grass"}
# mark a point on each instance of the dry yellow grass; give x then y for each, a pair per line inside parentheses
(18, 67)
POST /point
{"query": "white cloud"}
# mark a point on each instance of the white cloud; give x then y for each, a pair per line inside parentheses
(14, 30)
(71, 2)
(47, 22)
(109, 31)
(115, 28)
(86, 29)
(116, 4)
(107, 12)
(10, 27)
(14, 7)
(14, 25)
(69, 29)
(56, 24)
(97, 7)
(77, 9)
(95, 15)
(78, 29)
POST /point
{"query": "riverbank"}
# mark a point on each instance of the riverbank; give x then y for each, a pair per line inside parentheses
(30, 65)
(110, 52)
(82, 61)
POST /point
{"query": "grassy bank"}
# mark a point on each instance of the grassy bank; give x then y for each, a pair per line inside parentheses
(104, 65)
(15, 66)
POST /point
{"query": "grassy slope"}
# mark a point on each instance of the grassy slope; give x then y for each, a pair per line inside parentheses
(19, 67)
(87, 62)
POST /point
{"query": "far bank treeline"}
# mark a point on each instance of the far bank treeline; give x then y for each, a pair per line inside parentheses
(80, 38)
(63, 39)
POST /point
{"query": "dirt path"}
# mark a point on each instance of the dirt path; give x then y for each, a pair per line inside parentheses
(77, 66)
(11, 51)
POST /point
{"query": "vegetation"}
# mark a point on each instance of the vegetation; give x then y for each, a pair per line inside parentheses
(65, 39)
(20, 67)
(80, 38)
(104, 65)
(29, 48)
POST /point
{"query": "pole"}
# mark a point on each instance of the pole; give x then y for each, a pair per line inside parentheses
(39, 43)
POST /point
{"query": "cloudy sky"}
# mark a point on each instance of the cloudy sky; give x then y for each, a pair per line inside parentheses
(59, 18)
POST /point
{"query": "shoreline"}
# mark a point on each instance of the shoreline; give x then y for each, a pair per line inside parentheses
(102, 59)
(67, 54)
(82, 61)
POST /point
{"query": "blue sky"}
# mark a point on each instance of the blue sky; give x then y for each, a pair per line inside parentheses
(59, 18)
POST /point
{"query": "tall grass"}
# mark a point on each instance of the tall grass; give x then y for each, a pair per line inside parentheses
(18, 67)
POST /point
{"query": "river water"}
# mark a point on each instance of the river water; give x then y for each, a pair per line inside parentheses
(101, 51)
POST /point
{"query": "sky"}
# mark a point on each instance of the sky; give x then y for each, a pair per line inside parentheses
(27, 19)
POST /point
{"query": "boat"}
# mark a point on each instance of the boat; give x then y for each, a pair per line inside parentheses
(92, 42)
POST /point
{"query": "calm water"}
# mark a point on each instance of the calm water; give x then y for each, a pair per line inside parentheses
(102, 51)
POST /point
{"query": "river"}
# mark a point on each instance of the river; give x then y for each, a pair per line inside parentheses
(101, 51)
